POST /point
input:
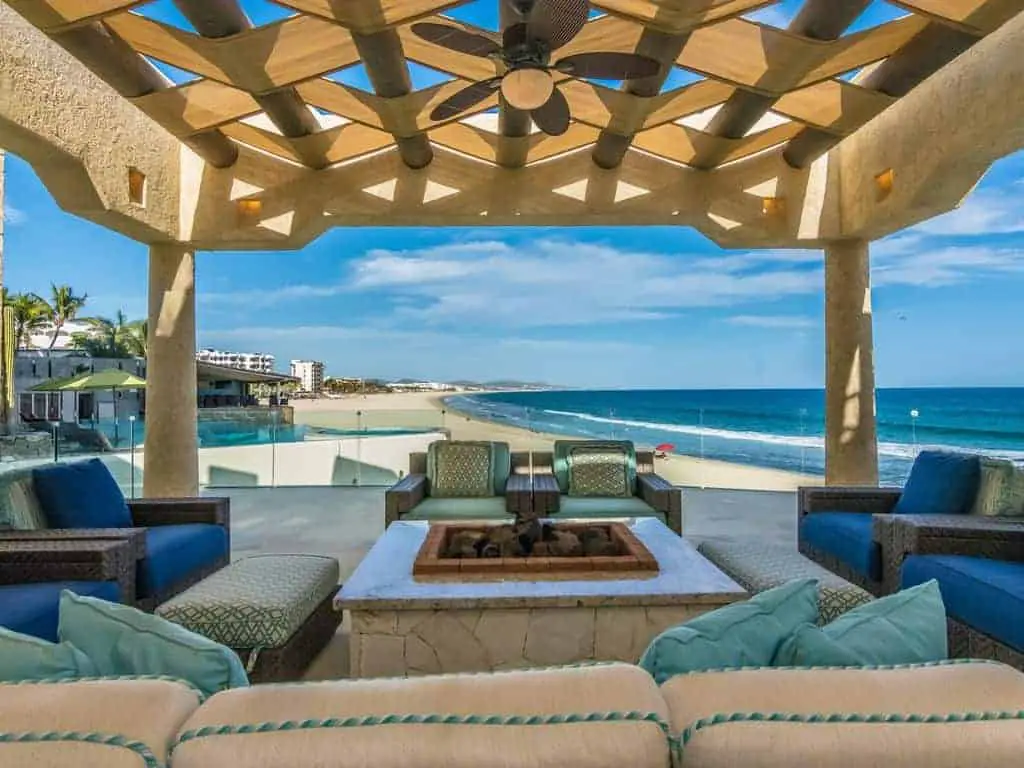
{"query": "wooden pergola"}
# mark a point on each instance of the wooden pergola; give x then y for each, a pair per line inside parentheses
(809, 137)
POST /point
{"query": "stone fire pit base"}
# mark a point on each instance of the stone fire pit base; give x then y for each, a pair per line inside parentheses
(401, 626)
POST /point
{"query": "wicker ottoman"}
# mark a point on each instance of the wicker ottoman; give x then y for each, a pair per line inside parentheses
(757, 567)
(275, 611)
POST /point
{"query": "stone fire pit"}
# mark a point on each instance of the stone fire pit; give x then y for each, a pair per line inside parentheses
(405, 624)
(532, 550)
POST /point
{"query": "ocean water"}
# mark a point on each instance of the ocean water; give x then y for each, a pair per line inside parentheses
(782, 429)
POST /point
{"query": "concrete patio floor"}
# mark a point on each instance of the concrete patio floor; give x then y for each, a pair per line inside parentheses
(345, 522)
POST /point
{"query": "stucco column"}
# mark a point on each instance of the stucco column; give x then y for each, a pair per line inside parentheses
(171, 444)
(851, 437)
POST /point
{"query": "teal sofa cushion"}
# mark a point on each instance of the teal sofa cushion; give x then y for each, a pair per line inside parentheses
(908, 627)
(746, 634)
(940, 483)
(24, 657)
(584, 506)
(82, 494)
(491, 508)
(121, 640)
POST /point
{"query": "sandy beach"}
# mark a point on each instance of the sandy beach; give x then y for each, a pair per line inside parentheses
(426, 409)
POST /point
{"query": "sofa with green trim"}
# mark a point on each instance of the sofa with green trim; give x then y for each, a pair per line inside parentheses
(462, 480)
(849, 530)
(603, 478)
(177, 542)
(613, 715)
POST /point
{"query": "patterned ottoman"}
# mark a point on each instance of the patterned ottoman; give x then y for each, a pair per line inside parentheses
(757, 567)
(275, 611)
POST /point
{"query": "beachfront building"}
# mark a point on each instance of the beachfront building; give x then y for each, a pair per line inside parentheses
(59, 338)
(810, 137)
(247, 361)
(310, 374)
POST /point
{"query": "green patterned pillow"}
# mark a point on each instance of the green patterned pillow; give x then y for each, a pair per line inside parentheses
(1001, 491)
(600, 471)
(19, 507)
(458, 469)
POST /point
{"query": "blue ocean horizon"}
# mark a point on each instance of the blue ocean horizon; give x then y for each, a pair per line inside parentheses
(775, 428)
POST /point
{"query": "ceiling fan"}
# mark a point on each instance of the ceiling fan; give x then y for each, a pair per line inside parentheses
(541, 28)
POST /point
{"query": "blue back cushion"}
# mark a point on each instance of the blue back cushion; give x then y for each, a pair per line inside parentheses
(81, 495)
(940, 483)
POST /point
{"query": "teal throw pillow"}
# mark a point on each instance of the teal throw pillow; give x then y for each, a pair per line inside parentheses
(746, 634)
(24, 657)
(121, 640)
(906, 628)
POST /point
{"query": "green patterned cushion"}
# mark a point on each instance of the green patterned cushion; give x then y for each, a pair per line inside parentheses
(256, 602)
(461, 469)
(595, 467)
(758, 567)
(1001, 491)
(19, 507)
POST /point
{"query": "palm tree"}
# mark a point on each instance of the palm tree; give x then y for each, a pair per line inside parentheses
(117, 337)
(31, 314)
(64, 306)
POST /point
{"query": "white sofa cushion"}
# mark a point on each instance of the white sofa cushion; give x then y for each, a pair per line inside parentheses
(102, 723)
(537, 721)
(896, 717)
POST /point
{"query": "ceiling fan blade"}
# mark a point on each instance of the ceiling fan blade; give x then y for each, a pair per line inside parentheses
(462, 100)
(456, 39)
(556, 22)
(553, 117)
(608, 66)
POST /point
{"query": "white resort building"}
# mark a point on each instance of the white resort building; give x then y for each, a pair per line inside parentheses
(310, 373)
(249, 361)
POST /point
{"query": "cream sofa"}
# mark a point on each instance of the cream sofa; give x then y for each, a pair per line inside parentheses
(602, 716)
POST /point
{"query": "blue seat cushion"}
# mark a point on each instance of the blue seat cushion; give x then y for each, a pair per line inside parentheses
(987, 595)
(175, 552)
(82, 494)
(33, 609)
(940, 483)
(847, 537)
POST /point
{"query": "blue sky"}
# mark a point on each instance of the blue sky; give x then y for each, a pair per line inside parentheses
(601, 307)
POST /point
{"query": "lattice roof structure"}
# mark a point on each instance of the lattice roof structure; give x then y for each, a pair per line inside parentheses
(723, 153)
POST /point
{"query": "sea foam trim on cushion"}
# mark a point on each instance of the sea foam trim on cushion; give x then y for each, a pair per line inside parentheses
(106, 678)
(632, 716)
(84, 737)
(839, 717)
(460, 469)
(871, 667)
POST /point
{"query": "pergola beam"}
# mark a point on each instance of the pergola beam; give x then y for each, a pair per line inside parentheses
(925, 54)
(131, 75)
(223, 18)
(384, 60)
(513, 124)
(818, 20)
(611, 146)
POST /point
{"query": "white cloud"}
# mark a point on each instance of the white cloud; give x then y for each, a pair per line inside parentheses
(985, 212)
(14, 216)
(912, 262)
(773, 321)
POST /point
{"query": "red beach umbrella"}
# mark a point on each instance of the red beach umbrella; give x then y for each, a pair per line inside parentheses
(664, 448)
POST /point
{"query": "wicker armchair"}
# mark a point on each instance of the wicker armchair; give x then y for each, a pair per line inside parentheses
(655, 496)
(176, 542)
(407, 497)
(33, 572)
(860, 501)
(979, 564)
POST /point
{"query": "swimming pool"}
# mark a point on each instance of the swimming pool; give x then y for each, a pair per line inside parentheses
(222, 434)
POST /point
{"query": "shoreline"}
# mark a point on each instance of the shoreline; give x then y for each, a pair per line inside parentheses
(427, 409)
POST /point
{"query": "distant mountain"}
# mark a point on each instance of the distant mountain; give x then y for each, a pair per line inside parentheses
(502, 384)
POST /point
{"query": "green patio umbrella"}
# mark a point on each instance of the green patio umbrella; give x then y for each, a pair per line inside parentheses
(112, 379)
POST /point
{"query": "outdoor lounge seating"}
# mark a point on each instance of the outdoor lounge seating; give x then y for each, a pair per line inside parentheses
(979, 565)
(846, 529)
(177, 542)
(33, 573)
(465, 480)
(597, 478)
